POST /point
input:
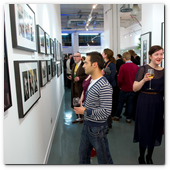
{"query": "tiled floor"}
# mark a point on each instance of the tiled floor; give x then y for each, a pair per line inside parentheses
(66, 140)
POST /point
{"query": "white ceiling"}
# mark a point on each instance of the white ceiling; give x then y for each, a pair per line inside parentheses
(78, 14)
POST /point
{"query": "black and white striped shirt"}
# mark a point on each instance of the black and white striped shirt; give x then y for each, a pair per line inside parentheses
(98, 103)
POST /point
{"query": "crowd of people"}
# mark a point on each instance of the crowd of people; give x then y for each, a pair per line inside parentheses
(104, 86)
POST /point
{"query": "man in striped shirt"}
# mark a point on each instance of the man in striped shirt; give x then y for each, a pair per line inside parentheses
(96, 109)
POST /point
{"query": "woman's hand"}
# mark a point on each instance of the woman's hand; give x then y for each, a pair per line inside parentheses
(103, 72)
(146, 77)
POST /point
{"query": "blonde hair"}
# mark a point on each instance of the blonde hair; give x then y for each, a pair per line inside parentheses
(126, 55)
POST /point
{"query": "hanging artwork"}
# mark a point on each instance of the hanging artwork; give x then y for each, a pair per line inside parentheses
(23, 27)
(47, 44)
(49, 69)
(145, 46)
(7, 89)
(27, 85)
(162, 43)
(41, 40)
(52, 46)
(43, 73)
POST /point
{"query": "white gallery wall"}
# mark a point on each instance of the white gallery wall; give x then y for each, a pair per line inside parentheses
(27, 140)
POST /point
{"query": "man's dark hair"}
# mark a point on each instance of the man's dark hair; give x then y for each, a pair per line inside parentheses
(119, 55)
(96, 57)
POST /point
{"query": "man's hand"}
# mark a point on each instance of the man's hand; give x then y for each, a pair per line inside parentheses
(69, 77)
(79, 110)
(76, 79)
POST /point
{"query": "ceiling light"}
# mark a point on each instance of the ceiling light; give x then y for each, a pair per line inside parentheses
(94, 6)
(88, 33)
(64, 34)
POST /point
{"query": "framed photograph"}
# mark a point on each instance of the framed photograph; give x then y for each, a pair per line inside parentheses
(58, 51)
(43, 72)
(7, 88)
(41, 40)
(27, 85)
(49, 69)
(55, 49)
(58, 69)
(23, 28)
(47, 44)
(61, 66)
(145, 46)
(52, 46)
(162, 43)
(54, 67)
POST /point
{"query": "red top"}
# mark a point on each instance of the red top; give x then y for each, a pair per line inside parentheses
(126, 77)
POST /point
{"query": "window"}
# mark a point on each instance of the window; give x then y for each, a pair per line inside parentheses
(89, 40)
(66, 40)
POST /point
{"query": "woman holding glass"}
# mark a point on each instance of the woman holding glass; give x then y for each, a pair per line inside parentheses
(150, 105)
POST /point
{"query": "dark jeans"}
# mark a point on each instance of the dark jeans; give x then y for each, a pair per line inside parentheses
(128, 98)
(95, 137)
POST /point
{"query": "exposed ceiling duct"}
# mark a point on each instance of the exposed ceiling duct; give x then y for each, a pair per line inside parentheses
(125, 8)
(74, 20)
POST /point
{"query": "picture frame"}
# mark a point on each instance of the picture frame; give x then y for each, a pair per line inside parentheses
(162, 43)
(40, 40)
(145, 46)
(52, 46)
(61, 66)
(54, 67)
(27, 85)
(49, 70)
(43, 72)
(23, 28)
(58, 51)
(58, 69)
(55, 49)
(7, 87)
(47, 44)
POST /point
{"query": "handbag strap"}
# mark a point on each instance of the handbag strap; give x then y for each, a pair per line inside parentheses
(107, 64)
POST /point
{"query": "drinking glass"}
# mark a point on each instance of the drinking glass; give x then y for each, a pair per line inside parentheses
(76, 104)
(151, 72)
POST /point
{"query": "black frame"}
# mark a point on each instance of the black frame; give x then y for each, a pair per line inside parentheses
(49, 70)
(51, 46)
(41, 49)
(15, 38)
(42, 72)
(58, 69)
(163, 43)
(55, 49)
(47, 42)
(145, 37)
(30, 97)
(54, 70)
(7, 88)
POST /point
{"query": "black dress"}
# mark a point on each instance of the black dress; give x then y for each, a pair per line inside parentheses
(149, 110)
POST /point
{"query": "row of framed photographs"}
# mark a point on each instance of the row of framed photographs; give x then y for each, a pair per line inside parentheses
(29, 77)
(26, 35)
(146, 45)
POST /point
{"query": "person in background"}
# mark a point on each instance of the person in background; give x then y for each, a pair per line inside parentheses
(96, 109)
(137, 58)
(71, 62)
(119, 62)
(65, 69)
(125, 81)
(83, 58)
(150, 105)
(77, 77)
(109, 72)
(68, 71)
(132, 53)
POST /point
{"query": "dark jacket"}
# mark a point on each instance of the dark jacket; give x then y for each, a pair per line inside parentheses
(76, 87)
(119, 62)
(135, 61)
(111, 77)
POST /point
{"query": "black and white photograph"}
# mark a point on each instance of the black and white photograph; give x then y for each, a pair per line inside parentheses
(23, 27)
(55, 48)
(27, 85)
(52, 46)
(145, 46)
(49, 71)
(41, 40)
(43, 73)
(58, 69)
(162, 43)
(7, 88)
(54, 67)
(47, 44)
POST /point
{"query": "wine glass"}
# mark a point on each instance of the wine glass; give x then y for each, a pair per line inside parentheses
(151, 72)
(76, 104)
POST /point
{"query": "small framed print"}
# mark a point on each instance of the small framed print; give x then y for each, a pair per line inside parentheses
(145, 46)
(43, 73)
(162, 43)
(49, 69)
(61, 66)
(23, 27)
(58, 69)
(52, 46)
(47, 44)
(41, 40)
(27, 85)
(54, 67)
